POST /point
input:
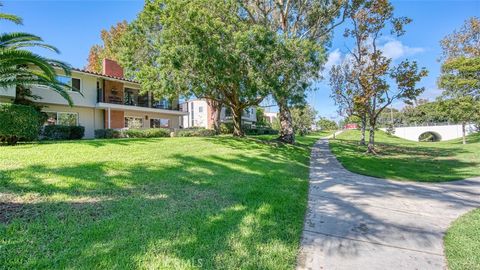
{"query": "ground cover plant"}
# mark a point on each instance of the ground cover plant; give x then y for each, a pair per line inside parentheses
(462, 242)
(159, 203)
(407, 160)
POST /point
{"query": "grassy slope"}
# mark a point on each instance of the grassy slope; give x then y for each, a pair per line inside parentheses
(405, 160)
(154, 203)
(462, 242)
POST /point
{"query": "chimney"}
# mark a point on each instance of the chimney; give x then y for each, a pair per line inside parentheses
(112, 68)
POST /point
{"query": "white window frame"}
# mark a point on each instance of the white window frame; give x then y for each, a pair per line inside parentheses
(76, 118)
(71, 84)
(134, 117)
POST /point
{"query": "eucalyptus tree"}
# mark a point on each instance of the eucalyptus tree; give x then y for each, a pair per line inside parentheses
(21, 68)
(373, 70)
(309, 23)
(204, 49)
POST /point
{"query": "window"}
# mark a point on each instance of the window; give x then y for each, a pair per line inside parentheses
(75, 83)
(200, 109)
(159, 123)
(62, 118)
(133, 122)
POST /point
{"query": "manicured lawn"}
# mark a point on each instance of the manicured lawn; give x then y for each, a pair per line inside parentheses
(170, 203)
(462, 242)
(405, 160)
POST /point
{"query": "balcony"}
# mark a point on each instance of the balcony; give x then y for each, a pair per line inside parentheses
(132, 97)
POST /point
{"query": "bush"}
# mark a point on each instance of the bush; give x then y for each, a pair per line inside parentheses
(59, 132)
(226, 128)
(193, 132)
(108, 133)
(18, 122)
(147, 133)
(260, 131)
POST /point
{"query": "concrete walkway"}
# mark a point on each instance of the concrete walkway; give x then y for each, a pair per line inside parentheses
(361, 222)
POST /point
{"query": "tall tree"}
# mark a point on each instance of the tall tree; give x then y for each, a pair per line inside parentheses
(460, 77)
(461, 61)
(201, 48)
(303, 117)
(309, 23)
(464, 42)
(347, 94)
(463, 110)
(372, 69)
(21, 68)
(110, 49)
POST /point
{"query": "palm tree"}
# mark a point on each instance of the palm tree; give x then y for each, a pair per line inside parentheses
(22, 68)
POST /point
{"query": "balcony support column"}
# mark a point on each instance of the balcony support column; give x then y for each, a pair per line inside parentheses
(109, 118)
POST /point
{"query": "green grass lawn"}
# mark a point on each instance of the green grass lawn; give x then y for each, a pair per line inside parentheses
(406, 160)
(462, 242)
(169, 203)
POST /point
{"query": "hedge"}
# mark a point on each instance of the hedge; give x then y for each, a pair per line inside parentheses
(146, 133)
(108, 133)
(18, 122)
(60, 132)
(193, 132)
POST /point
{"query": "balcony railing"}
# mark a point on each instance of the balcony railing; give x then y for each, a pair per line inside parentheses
(135, 100)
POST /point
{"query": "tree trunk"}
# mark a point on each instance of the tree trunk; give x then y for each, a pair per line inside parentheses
(371, 141)
(215, 108)
(362, 130)
(237, 122)
(287, 134)
(464, 139)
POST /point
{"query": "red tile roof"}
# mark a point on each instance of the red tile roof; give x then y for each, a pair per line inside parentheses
(103, 75)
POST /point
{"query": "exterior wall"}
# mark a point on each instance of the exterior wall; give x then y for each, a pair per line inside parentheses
(90, 118)
(117, 119)
(7, 93)
(174, 120)
(446, 132)
(88, 85)
(200, 119)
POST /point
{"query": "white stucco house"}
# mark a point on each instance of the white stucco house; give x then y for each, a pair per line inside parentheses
(103, 100)
(199, 114)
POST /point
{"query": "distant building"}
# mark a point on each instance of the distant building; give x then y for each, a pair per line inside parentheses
(199, 114)
(270, 117)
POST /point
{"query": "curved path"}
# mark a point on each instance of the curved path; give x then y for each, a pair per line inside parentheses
(360, 222)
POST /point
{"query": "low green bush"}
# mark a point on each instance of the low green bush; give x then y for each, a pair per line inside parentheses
(260, 131)
(60, 132)
(108, 133)
(147, 133)
(18, 122)
(193, 132)
(226, 128)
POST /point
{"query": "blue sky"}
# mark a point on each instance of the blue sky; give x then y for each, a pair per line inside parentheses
(74, 26)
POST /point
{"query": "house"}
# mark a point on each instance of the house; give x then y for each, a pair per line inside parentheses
(199, 114)
(270, 117)
(104, 100)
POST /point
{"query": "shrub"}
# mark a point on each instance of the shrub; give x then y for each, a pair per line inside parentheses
(193, 132)
(18, 122)
(108, 133)
(147, 133)
(260, 131)
(226, 128)
(60, 132)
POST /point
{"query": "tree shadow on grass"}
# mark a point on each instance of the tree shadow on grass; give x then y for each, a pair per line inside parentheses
(211, 211)
(407, 162)
(351, 215)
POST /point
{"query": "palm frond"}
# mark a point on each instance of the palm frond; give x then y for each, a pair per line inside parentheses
(7, 38)
(11, 18)
(10, 57)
